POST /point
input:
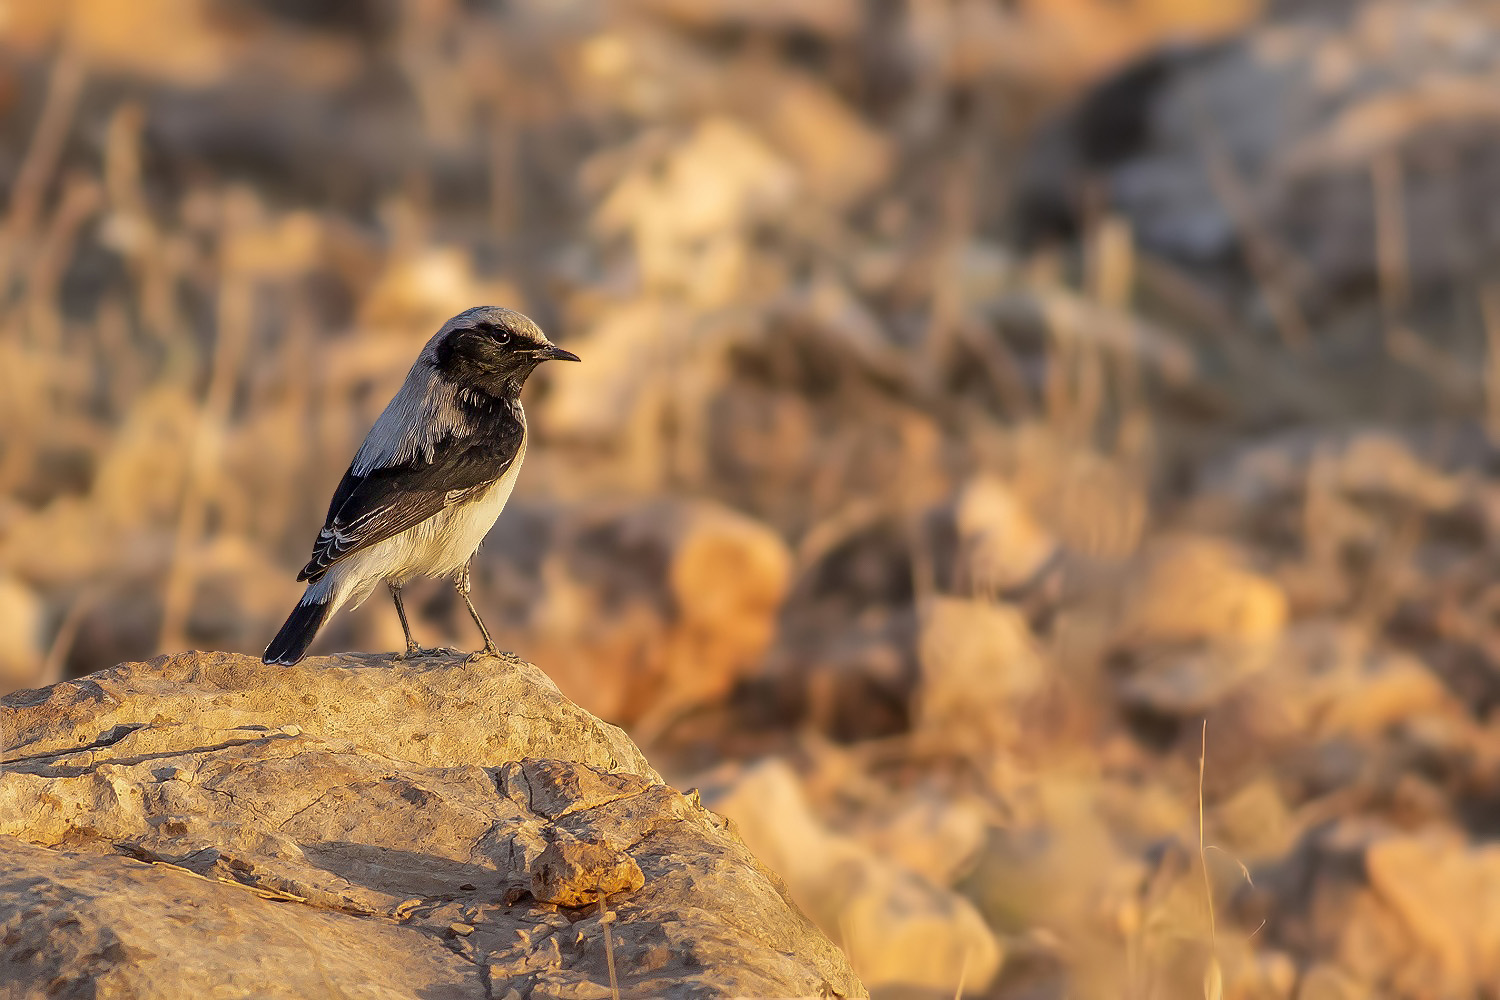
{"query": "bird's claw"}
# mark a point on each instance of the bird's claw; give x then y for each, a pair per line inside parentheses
(414, 652)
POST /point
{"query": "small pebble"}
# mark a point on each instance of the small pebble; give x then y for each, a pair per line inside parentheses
(461, 929)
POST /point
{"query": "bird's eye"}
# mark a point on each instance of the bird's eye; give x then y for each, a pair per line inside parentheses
(502, 337)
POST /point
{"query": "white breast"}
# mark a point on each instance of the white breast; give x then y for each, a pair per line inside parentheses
(439, 546)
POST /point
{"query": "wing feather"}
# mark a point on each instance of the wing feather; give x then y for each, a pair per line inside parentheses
(372, 504)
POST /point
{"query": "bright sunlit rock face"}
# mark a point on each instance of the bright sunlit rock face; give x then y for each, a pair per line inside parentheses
(354, 824)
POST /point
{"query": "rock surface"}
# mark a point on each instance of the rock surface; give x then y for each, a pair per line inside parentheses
(360, 828)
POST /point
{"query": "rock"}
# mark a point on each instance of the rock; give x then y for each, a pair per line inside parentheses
(1326, 981)
(575, 873)
(935, 835)
(687, 206)
(1448, 896)
(85, 924)
(124, 39)
(840, 158)
(836, 19)
(1195, 588)
(999, 543)
(1411, 78)
(979, 666)
(22, 644)
(900, 931)
(433, 712)
(648, 607)
(204, 822)
(1323, 170)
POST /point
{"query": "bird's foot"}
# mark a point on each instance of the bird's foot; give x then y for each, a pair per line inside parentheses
(416, 652)
(479, 654)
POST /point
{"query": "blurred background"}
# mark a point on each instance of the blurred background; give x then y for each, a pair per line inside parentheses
(987, 406)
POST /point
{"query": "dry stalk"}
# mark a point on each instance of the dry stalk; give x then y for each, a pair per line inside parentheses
(235, 315)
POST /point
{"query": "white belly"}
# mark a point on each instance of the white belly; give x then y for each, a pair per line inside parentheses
(438, 546)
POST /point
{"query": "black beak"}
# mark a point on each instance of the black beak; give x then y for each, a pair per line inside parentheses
(555, 353)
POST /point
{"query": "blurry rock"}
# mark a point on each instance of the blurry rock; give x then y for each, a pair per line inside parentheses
(647, 608)
(1187, 682)
(835, 18)
(1194, 627)
(1363, 464)
(979, 666)
(933, 834)
(171, 40)
(1448, 895)
(1384, 690)
(1003, 545)
(1094, 503)
(841, 159)
(1255, 822)
(899, 929)
(417, 292)
(324, 827)
(1397, 77)
(1061, 864)
(23, 620)
(686, 205)
(1326, 981)
(631, 350)
(1197, 588)
(1319, 171)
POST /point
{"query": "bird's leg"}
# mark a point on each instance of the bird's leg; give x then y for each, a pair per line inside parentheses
(412, 649)
(461, 582)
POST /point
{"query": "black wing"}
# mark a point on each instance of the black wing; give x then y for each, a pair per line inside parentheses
(371, 508)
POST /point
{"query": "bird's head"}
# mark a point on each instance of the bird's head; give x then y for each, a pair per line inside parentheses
(492, 349)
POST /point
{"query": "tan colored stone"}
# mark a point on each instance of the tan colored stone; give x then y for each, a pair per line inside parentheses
(840, 158)
(1196, 588)
(900, 930)
(1004, 545)
(1448, 895)
(82, 924)
(646, 607)
(346, 815)
(835, 18)
(576, 873)
(22, 618)
(436, 712)
(979, 663)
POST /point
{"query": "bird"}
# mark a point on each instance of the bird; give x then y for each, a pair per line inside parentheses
(430, 479)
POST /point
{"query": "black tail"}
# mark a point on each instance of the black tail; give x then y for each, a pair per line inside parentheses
(302, 625)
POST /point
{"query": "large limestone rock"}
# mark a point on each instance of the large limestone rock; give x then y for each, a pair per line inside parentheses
(356, 827)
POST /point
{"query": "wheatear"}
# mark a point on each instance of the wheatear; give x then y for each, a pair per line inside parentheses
(431, 477)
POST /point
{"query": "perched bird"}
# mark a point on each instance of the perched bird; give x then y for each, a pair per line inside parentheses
(431, 477)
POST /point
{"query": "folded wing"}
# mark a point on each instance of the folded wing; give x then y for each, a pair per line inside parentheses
(373, 504)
